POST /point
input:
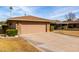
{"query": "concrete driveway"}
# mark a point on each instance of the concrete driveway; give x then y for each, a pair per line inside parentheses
(50, 41)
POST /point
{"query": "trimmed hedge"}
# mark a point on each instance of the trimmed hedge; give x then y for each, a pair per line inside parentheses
(11, 32)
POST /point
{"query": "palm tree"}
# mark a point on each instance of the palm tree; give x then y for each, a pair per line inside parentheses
(24, 13)
(11, 8)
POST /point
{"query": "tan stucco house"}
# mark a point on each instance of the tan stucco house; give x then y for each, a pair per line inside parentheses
(29, 24)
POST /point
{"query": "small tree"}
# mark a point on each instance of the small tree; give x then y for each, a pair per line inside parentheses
(70, 16)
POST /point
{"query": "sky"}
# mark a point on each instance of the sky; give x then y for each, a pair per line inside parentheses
(48, 12)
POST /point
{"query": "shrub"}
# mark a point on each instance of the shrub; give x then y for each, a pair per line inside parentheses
(11, 32)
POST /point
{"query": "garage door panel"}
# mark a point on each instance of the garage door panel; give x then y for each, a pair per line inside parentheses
(32, 28)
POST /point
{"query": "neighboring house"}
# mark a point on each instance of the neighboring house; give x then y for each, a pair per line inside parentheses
(70, 25)
(2, 25)
(29, 24)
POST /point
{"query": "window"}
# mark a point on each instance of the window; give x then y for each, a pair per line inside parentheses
(12, 25)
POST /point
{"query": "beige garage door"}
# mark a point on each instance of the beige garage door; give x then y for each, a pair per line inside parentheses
(33, 28)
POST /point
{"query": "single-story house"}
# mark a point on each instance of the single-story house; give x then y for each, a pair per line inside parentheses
(70, 25)
(29, 24)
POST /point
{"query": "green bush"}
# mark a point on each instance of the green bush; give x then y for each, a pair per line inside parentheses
(11, 32)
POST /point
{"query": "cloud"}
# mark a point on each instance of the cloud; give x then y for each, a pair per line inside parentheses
(23, 9)
(4, 16)
(62, 12)
(17, 11)
(44, 12)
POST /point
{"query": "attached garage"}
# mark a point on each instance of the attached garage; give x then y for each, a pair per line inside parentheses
(33, 27)
(30, 24)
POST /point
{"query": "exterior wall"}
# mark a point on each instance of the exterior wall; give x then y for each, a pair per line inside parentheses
(18, 27)
(18, 24)
(31, 27)
(48, 27)
(12, 25)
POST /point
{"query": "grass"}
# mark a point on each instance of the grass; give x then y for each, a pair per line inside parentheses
(15, 45)
(66, 32)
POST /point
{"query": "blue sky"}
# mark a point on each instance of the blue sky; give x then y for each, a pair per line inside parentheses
(49, 12)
